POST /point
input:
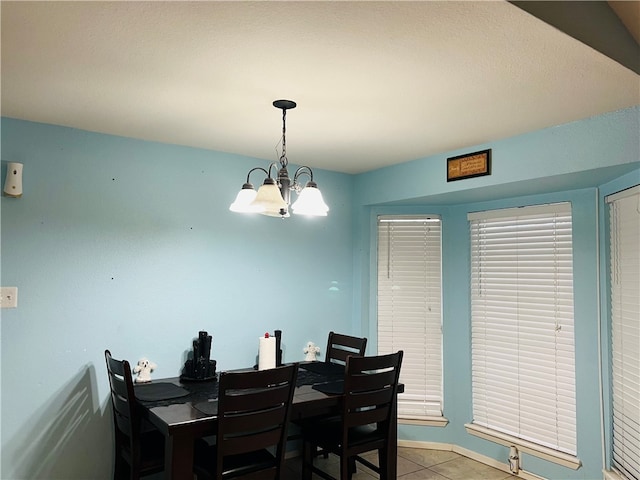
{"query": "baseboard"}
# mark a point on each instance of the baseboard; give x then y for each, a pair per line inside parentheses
(425, 445)
(492, 462)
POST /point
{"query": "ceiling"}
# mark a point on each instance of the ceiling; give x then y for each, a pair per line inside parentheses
(377, 83)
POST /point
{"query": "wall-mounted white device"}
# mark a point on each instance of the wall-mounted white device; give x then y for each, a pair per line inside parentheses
(13, 182)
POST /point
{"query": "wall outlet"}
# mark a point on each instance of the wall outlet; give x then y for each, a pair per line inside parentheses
(8, 297)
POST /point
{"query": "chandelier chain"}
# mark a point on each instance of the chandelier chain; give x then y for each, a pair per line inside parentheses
(283, 158)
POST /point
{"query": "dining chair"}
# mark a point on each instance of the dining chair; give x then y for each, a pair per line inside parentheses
(139, 448)
(340, 346)
(370, 390)
(253, 415)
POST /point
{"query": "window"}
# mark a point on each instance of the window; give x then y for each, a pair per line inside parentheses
(624, 210)
(522, 337)
(409, 308)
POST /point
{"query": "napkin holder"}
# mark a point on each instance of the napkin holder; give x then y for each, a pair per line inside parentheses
(200, 368)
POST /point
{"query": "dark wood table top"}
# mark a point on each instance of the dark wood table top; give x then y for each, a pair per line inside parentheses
(196, 409)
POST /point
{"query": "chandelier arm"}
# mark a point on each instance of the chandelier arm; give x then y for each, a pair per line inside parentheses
(272, 165)
(254, 169)
(303, 170)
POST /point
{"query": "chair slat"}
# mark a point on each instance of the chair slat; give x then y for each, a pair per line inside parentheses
(372, 381)
(252, 399)
(371, 399)
(256, 421)
(367, 417)
(340, 346)
(250, 443)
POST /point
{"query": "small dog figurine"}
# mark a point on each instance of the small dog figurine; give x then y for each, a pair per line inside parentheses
(144, 369)
(311, 350)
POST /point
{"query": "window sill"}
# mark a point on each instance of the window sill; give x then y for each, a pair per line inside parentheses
(612, 475)
(424, 421)
(531, 448)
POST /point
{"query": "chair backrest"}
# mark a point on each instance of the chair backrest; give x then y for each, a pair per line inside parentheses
(253, 413)
(125, 418)
(370, 385)
(340, 346)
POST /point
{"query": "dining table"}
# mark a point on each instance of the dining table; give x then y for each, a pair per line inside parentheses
(186, 409)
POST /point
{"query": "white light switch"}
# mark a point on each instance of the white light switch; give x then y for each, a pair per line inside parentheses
(8, 297)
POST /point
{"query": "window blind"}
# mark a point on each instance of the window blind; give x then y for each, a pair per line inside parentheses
(523, 362)
(624, 209)
(409, 308)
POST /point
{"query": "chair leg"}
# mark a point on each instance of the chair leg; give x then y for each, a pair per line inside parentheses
(345, 468)
(352, 466)
(325, 454)
(135, 473)
(382, 463)
(120, 469)
(308, 451)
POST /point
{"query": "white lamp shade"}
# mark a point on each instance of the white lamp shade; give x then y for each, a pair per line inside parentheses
(310, 202)
(269, 200)
(243, 202)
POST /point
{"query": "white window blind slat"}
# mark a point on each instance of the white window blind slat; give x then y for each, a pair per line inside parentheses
(624, 209)
(409, 308)
(523, 359)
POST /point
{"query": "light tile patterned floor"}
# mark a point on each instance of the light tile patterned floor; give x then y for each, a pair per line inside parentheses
(413, 464)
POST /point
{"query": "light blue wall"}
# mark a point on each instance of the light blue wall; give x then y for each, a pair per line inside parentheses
(129, 245)
(576, 159)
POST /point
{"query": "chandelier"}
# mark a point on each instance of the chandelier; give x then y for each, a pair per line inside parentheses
(274, 196)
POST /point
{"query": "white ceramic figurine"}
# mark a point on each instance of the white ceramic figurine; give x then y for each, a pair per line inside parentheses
(144, 369)
(312, 351)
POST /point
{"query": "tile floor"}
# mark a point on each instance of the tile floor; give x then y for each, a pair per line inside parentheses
(413, 464)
